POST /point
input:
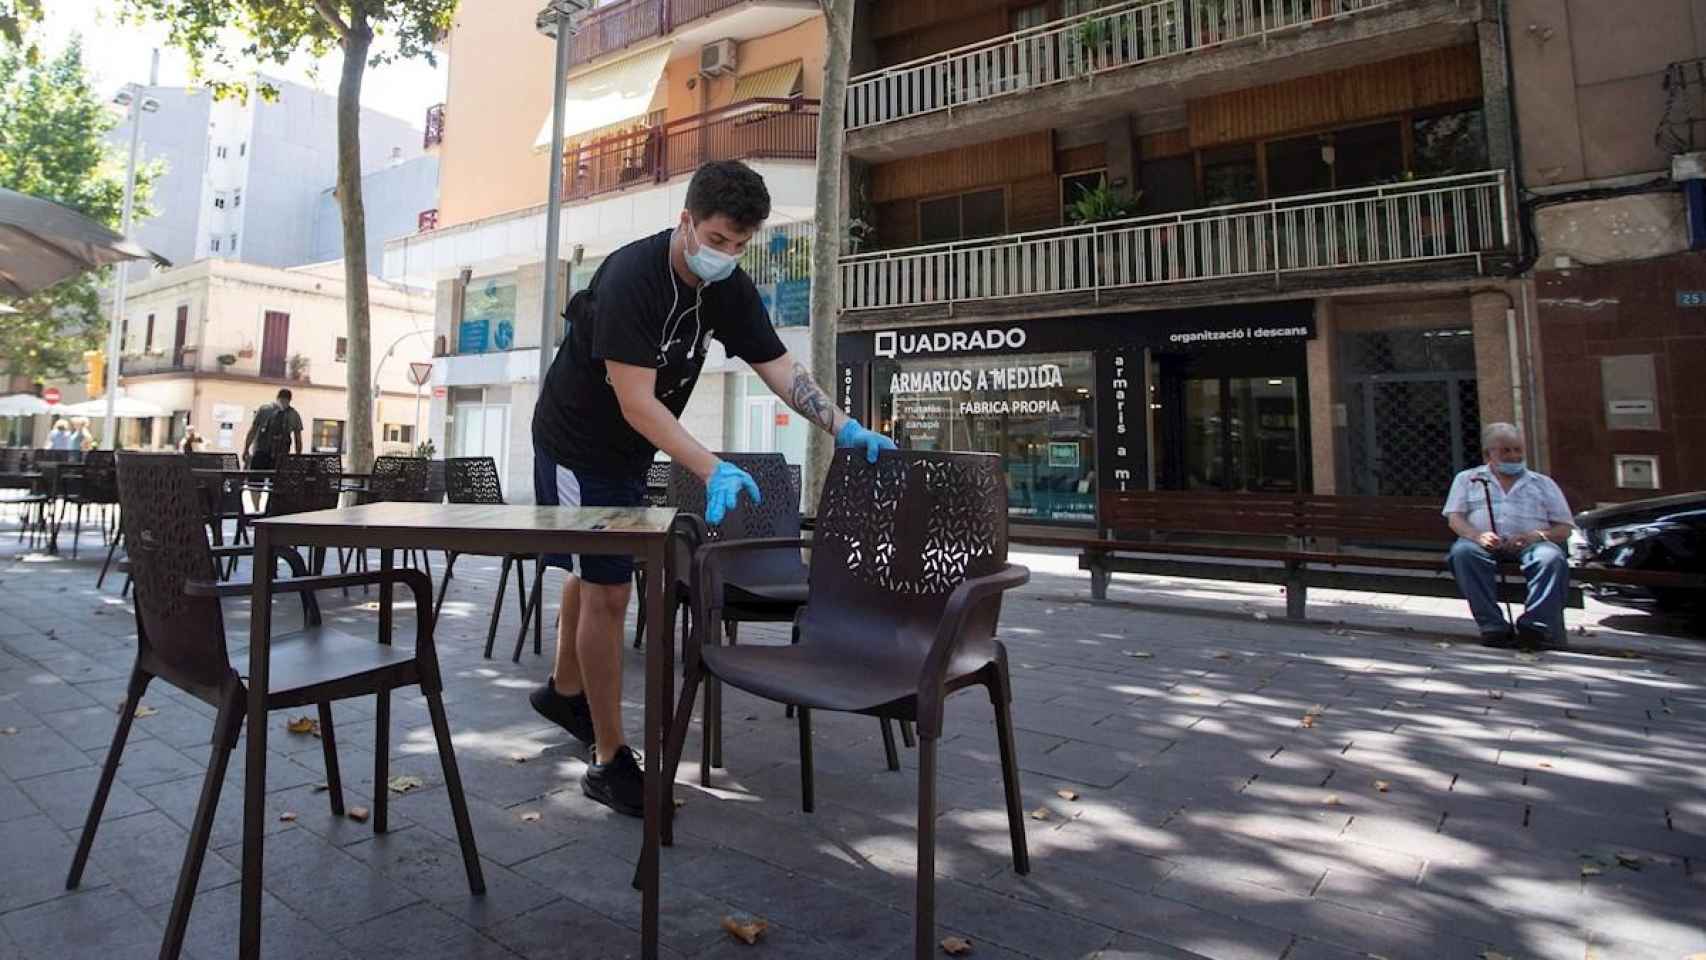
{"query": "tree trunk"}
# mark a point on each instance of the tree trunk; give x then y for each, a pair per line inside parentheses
(826, 248)
(359, 368)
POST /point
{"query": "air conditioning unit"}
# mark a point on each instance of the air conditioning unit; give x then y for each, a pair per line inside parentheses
(717, 58)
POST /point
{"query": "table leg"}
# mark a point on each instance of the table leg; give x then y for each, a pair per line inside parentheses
(656, 651)
(255, 766)
(386, 558)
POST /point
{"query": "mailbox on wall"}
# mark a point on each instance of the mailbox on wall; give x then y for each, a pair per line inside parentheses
(1630, 386)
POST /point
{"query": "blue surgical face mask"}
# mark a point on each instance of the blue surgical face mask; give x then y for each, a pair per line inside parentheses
(1516, 469)
(707, 263)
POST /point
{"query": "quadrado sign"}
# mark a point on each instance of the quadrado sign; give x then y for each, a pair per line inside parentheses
(907, 343)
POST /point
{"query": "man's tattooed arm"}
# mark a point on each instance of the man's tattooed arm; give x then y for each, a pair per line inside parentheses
(809, 400)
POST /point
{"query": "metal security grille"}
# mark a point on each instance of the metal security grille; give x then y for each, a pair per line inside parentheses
(1412, 411)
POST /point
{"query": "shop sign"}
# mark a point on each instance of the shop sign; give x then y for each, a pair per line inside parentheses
(850, 388)
(488, 318)
(1121, 447)
(1160, 330)
(1044, 376)
(1063, 455)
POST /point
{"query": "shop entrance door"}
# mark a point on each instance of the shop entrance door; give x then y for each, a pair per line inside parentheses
(759, 435)
(1239, 433)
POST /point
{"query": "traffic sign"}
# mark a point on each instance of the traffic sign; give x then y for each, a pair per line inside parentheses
(439, 393)
(419, 373)
(51, 395)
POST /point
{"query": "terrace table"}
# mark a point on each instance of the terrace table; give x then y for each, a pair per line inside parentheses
(642, 533)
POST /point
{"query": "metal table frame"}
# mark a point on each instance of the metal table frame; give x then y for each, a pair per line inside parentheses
(642, 533)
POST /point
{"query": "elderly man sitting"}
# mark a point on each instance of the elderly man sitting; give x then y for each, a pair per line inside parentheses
(1501, 510)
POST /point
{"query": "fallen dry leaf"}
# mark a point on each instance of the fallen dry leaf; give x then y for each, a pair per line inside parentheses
(1223, 656)
(1332, 800)
(8, 731)
(1496, 694)
(1138, 654)
(956, 946)
(1628, 860)
(531, 816)
(1261, 616)
(1442, 645)
(1041, 813)
(1493, 955)
(287, 817)
(144, 710)
(358, 814)
(745, 929)
(303, 725)
(1383, 785)
(319, 787)
(403, 784)
(1545, 763)
(679, 803)
(1308, 720)
(519, 757)
(1589, 870)
(1065, 794)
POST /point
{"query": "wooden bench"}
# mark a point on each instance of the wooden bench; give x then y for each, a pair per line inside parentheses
(1375, 544)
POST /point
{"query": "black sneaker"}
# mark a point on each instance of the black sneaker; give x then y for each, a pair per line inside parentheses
(570, 713)
(1531, 638)
(618, 784)
(1499, 639)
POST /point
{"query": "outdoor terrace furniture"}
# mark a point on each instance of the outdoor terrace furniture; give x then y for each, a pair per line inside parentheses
(908, 567)
(475, 480)
(225, 500)
(1377, 544)
(98, 489)
(181, 640)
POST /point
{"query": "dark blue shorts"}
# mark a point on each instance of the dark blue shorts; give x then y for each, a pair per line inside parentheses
(558, 486)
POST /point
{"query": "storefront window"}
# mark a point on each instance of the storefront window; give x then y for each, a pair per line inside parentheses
(1036, 410)
(488, 316)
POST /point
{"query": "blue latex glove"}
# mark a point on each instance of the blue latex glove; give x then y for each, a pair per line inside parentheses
(722, 491)
(854, 434)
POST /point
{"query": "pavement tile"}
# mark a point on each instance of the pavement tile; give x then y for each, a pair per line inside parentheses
(92, 925)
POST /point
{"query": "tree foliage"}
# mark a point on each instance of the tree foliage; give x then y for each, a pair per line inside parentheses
(52, 146)
(272, 31)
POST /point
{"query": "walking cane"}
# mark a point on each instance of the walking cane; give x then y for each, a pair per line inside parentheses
(1493, 522)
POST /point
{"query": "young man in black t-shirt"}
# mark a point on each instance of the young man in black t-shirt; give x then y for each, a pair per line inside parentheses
(637, 338)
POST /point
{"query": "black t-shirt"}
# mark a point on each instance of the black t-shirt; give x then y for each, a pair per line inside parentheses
(638, 311)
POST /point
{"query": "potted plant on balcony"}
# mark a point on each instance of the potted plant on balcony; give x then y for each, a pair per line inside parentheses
(298, 367)
(1100, 204)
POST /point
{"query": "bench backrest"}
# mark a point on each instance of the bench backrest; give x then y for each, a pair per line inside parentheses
(1301, 516)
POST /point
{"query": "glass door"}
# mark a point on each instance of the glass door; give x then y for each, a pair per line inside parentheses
(759, 433)
(1241, 433)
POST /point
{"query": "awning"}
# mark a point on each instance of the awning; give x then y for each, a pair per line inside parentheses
(609, 95)
(772, 83)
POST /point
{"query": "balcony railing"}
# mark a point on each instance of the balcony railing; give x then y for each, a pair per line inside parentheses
(619, 25)
(749, 130)
(172, 361)
(1411, 222)
(1110, 38)
(426, 220)
(434, 134)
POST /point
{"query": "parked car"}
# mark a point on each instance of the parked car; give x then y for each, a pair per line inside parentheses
(1664, 533)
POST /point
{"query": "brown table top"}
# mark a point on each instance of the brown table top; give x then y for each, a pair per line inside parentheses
(451, 519)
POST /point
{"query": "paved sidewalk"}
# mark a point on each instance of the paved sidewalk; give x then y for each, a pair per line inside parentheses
(1206, 783)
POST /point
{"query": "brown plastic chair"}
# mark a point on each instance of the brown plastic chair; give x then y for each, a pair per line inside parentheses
(767, 587)
(909, 564)
(475, 480)
(98, 487)
(396, 480)
(181, 640)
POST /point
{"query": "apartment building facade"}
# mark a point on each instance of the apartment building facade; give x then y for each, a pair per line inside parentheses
(245, 179)
(655, 88)
(212, 341)
(1245, 245)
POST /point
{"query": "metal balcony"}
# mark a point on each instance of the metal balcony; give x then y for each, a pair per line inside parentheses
(1111, 38)
(758, 129)
(1447, 218)
(434, 134)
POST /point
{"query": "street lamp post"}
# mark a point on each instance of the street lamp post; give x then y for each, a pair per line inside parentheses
(137, 103)
(556, 22)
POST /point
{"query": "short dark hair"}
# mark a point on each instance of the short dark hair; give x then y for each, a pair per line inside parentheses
(284, 393)
(732, 189)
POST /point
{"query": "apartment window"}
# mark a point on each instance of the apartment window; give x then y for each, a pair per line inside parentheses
(1300, 165)
(328, 436)
(1449, 143)
(399, 433)
(219, 201)
(1034, 15)
(1367, 155)
(1169, 185)
(213, 244)
(340, 350)
(1074, 187)
(243, 148)
(233, 243)
(219, 152)
(1229, 175)
(963, 216)
(148, 335)
(237, 198)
